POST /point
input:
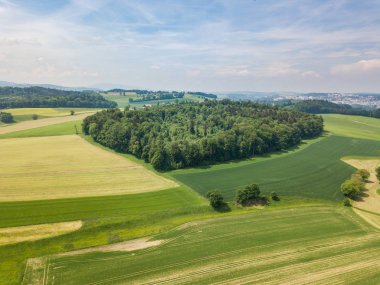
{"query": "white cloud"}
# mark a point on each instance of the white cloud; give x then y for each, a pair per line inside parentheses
(359, 67)
(310, 74)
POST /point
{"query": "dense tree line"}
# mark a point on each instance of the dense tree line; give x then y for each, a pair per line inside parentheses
(192, 134)
(38, 97)
(202, 94)
(326, 107)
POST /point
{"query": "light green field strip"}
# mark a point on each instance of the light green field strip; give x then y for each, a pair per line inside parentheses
(297, 245)
(35, 232)
(66, 167)
(353, 126)
(48, 112)
(26, 125)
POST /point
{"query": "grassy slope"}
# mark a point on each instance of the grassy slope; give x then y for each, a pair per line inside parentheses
(316, 171)
(353, 126)
(318, 163)
(275, 246)
(67, 128)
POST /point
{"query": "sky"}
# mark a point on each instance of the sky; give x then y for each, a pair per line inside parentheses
(194, 45)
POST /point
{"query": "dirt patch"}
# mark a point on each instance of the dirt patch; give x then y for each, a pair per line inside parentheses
(26, 125)
(13, 235)
(130, 245)
(371, 201)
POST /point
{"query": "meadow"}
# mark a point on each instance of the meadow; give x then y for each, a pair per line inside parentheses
(304, 245)
(316, 170)
(25, 114)
(300, 233)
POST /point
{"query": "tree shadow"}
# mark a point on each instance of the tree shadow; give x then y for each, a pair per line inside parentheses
(224, 208)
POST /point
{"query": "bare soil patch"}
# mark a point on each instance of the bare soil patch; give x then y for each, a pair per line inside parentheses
(130, 245)
(370, 201)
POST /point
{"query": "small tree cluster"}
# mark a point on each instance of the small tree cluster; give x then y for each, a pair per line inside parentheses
(353, 188)
(215, 198)
(274, 196)
(249, 193)
(6, 117)
(378, 173)
(34, 116)
(361, 174)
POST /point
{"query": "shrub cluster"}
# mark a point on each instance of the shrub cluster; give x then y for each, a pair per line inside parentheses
(354, 187)
(6, 117)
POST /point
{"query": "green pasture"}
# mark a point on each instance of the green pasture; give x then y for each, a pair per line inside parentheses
(25, 114)
(316, 171)
(68, 128)
(303, 244)
(353, 126)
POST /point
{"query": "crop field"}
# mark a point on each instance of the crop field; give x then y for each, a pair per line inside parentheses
(316, 245)
(24, 114)
(315, 171)
(28, 125)
(68, 166)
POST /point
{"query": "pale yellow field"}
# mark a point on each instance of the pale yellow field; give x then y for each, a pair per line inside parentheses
(35, 232)
(43, 168)
(26, 125)
(48, 112)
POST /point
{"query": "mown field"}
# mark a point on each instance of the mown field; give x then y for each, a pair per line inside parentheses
(42, 168)
(314, 245)
(25, 114)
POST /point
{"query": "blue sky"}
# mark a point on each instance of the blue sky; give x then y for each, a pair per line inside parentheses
(214, 45)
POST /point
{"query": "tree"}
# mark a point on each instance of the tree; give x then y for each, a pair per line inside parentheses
(346, 202)
(378, 173)
(6, 117)
(161, 159)
(352, 188)
(34, 116)
(72, 112)
(363, 174)
(274, 196)
(215, 198)
(249, 193)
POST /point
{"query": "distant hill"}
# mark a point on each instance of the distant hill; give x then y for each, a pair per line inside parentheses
(38, 97)
(51, 86)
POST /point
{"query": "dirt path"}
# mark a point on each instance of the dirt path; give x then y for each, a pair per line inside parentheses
(372, 201)
(129, 245)
(26, 125)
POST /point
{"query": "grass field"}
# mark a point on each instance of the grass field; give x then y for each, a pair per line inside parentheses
(314, 245)
(123, 101)
(29, 125)
(315, 171)
(68, 128)
(68, 166)
(25, 114)
(244, 245)
(353, 126)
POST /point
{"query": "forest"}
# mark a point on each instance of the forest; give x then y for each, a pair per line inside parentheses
(326, 107)
(193, 134)
(40, 97)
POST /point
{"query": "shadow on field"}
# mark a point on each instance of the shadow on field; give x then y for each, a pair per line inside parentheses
(224, 208)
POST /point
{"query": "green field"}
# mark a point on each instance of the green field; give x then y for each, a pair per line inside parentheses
(316, 171)
(353, 126)
(25, 114)
(298, 245)
(68, 128)
(299, 234)
(123, 101)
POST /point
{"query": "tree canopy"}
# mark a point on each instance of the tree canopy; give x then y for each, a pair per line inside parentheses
(192, 134)
(40, 97)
